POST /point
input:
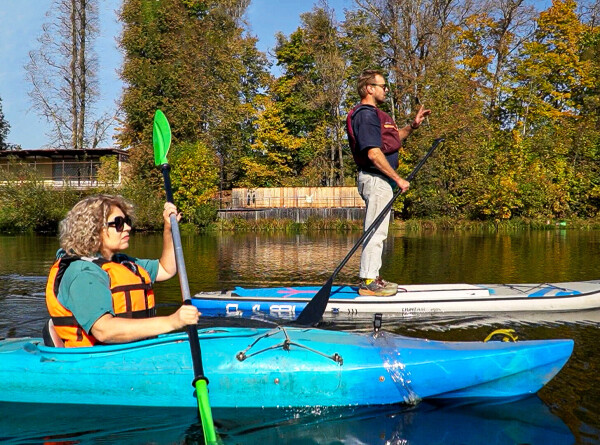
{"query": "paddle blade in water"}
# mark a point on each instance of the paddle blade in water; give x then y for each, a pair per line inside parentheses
(315, 308)
(210, 436)
(161, 138)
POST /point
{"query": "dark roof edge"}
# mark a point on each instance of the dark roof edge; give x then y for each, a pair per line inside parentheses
(48, 151)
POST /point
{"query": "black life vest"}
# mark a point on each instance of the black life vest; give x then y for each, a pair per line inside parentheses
(390, 136)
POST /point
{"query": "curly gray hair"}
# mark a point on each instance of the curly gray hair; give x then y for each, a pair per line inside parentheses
(81, 229)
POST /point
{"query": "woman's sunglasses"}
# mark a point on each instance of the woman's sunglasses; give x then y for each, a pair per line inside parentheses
(119, 223)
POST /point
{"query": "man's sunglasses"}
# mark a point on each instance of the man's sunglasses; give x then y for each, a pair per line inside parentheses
(119, 223)
(382, 85)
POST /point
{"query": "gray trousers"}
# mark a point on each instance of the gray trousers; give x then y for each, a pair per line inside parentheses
(376, 192)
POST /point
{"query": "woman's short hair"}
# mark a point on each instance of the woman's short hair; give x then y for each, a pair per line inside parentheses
(81, 229)
(365, 78)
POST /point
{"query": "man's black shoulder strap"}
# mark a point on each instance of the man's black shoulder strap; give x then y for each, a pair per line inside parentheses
(360, 108)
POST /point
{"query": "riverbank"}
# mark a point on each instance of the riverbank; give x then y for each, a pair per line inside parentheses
(342, 225)
(411, 225)
(494, 226)
(34, 209)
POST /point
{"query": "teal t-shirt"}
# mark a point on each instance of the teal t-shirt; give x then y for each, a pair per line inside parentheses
(84, 290)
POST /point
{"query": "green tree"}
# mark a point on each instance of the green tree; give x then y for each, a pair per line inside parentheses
(195, 182)
(192, 60)
(312, 91)
(273, 161)
(552, 80)
(27, 205)
(550, 75)
(108, 171)
(325, 41)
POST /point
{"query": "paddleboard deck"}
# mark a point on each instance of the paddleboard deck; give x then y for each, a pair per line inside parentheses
(415, 298)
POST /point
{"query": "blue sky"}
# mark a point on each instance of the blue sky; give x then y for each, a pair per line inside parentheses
(21, 23)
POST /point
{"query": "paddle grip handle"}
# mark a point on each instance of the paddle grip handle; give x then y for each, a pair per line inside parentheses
(179, 260)
(192, 332)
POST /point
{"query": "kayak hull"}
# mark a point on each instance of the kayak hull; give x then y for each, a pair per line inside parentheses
(288, 302)
(284, 367)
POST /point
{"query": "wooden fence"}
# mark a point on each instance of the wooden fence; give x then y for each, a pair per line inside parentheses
(295, 197)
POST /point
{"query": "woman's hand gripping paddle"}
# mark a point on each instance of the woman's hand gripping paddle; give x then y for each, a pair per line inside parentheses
(161, 138)
(315, 308)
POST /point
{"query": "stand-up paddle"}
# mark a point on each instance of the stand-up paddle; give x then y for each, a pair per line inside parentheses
(161, 138)
(315, 308)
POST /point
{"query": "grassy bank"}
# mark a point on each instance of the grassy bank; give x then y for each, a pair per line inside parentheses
(287, 225)
(411, 225)
(514, 224)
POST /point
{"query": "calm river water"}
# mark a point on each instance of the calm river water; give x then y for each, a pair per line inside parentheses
(566, 411)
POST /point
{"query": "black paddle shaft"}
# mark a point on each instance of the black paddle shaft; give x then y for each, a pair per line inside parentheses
(315, 308)
(166, 169)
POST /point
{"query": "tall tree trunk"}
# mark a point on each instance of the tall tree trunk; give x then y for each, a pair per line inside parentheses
(62, 73)
(339, 143)
(82, 31)
(73, 80)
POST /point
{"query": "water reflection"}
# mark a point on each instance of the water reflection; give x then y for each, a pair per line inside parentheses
(409, 258)
(519, 257)
(270, 259)
(524, 421)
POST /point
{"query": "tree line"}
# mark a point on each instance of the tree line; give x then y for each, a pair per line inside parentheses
(514, 92)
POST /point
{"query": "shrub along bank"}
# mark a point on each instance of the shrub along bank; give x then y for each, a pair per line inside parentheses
(31, 207)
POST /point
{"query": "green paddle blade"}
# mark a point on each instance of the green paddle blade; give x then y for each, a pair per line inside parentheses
(161, 138)
(210, 435)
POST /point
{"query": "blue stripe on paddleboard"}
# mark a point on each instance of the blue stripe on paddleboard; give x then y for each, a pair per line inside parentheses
(560, 293)
(341, 292)
(541, 292)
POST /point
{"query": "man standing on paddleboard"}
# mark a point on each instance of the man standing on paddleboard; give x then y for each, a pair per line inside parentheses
(375, 140)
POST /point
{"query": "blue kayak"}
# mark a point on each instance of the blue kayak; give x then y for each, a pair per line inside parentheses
(281, 367)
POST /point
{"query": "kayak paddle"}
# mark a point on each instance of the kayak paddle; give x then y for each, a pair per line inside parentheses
(161, 138)
(315, 308)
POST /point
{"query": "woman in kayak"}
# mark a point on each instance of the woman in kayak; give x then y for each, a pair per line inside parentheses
(96, 294)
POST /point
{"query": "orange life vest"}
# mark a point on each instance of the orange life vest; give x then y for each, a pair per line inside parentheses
(130, 286)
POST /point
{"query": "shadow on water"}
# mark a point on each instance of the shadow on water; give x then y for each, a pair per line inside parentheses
(523, 421)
